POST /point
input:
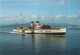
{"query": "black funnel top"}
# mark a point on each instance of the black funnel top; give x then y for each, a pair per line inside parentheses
(32, 22)
(37, 21)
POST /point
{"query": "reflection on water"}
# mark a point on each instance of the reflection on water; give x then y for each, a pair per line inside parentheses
(48, 44)
(23, 39)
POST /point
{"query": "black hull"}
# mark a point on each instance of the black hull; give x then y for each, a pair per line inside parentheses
(48, 33)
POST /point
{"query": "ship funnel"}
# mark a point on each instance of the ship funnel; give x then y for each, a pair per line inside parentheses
(32, 25)
(37, 23)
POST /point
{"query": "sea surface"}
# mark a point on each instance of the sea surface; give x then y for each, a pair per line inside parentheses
(38, 44)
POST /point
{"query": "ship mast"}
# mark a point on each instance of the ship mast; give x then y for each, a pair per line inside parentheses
(51, 16)
(22, 20)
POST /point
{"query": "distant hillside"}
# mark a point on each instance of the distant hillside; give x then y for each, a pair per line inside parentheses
(29, 24)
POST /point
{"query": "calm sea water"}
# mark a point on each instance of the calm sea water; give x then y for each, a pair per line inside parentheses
(18, 44)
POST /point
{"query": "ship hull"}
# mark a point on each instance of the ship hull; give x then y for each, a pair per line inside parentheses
(50, 31)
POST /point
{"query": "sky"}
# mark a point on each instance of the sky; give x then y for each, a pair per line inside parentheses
(63, 11)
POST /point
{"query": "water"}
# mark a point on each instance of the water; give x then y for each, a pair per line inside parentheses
(18, 44)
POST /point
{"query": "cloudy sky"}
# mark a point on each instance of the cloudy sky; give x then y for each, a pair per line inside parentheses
(63, 11)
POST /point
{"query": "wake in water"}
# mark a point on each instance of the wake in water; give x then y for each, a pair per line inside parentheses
(7, 32)
(11, 32)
